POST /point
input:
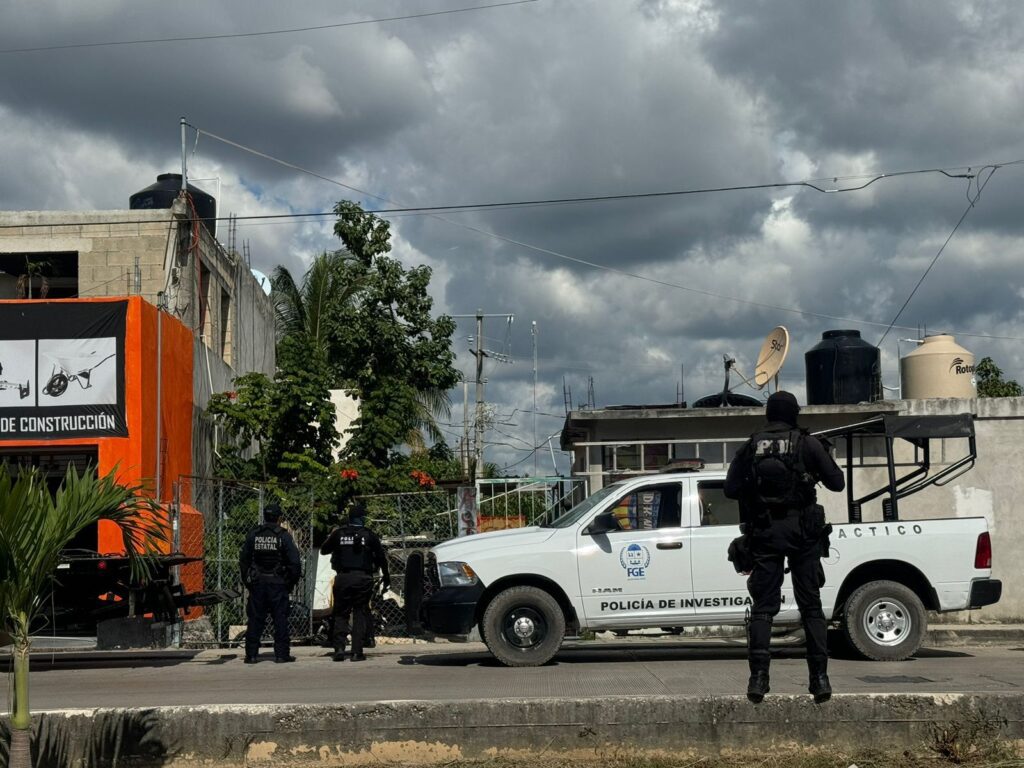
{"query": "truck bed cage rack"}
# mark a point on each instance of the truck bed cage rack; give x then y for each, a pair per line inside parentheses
(919, 431)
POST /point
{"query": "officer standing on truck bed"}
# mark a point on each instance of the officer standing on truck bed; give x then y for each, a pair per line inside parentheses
(270, 567)
(356, 554)
(773, 476)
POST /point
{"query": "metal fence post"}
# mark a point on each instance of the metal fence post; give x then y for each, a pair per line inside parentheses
(310, 585)
(220, 556)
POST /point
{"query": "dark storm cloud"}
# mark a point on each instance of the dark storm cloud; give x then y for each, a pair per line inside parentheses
(573, 98)
(311, 98)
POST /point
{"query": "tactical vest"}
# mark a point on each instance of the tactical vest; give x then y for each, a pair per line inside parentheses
(353, 552)
(268, 548)
(778, 476)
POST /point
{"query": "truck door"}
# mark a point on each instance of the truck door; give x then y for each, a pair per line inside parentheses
(719, 593)
(638, 575)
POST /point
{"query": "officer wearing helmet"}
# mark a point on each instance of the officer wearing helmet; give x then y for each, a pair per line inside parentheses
(356, 555)
(774, 476)
(270, 567)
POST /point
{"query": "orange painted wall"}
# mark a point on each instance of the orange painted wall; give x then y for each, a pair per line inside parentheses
(135, 456)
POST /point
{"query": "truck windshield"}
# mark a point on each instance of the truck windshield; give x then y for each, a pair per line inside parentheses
(574, 514)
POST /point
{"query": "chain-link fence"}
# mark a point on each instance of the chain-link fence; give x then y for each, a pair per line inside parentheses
(415, 522)
(406, 523)
(212, 518)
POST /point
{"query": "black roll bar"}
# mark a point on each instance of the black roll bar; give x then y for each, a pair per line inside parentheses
(919, 431)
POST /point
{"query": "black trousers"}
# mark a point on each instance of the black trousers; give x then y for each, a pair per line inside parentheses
(785, 540)
(352, 592)
(267, 596)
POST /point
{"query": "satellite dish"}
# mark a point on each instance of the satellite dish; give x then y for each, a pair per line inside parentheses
(772, 356)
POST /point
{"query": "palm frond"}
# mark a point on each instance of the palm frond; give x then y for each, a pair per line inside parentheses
(289, 307)
(38, 527)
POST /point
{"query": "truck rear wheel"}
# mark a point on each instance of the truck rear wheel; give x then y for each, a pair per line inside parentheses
(884, 621)
(523, 627)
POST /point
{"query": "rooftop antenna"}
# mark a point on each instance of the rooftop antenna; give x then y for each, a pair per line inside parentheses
(769, 362)
(567, 395)
(591, 398)
(771, 357)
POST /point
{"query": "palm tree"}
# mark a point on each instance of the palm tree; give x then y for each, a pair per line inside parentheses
(303, 309)
(35, 528)
(431, 406)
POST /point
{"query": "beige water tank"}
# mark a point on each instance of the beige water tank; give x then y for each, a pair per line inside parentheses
(939, 367)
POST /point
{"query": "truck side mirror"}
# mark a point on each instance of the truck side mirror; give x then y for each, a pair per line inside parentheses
(603, 523)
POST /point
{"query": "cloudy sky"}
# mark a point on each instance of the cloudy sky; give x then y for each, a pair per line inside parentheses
(564, 99)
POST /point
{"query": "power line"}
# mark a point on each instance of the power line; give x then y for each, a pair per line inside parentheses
(265, 33)
(431, 211)
(970, 204)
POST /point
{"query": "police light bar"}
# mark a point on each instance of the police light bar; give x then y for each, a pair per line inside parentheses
(683, 465)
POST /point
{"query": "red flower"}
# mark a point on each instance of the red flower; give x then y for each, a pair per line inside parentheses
(422, 478)
(349, 474)
(232, 395)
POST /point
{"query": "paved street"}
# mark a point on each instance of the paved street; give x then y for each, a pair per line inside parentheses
(448, 672)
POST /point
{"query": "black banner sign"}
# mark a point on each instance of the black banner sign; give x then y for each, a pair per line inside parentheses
(62, 370)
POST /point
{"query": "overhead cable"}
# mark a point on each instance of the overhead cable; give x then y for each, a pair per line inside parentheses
(264, 33)
(971, 200)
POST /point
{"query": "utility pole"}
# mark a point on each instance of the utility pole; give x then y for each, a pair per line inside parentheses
(478, 437)
(533, 329)
(465, 427)
(480, 353)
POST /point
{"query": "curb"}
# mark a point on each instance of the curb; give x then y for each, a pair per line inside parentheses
(428, 732)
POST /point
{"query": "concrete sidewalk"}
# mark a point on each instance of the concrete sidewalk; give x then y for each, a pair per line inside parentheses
(432, 702)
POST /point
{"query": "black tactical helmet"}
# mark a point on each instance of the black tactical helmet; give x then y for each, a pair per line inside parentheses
(272, 512)
(782, 406)
(357, 513)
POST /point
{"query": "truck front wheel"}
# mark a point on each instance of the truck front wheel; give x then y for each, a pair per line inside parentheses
(884, 621)
(523, 626)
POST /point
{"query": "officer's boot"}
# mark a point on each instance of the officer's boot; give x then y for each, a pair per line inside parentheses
(759, 630)
(339, 654)
(820, 687)
(757, 687)
(817, 655)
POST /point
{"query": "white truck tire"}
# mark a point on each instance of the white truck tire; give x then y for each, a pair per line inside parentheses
(884, 621)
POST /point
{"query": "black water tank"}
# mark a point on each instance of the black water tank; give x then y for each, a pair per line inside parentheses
(165, 191)
(843, 368)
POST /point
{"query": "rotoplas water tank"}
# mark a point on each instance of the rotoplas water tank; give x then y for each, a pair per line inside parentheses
(939, 367)
(164, 192)
(843, 368)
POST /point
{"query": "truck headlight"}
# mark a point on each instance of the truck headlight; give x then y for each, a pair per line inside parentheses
(456, 574)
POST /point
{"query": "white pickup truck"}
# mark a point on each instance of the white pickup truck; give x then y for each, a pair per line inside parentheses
(650, 552)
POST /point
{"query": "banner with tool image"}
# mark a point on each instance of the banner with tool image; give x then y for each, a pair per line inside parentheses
(62, 370)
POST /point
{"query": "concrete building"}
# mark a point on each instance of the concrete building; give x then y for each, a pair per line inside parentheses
(611, 443)
(170, 258)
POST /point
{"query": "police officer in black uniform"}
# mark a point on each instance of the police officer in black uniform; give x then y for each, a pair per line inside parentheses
(270, 567)
(356, 555)
(773, 476)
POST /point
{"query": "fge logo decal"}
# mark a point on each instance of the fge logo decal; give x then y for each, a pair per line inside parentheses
(635, 558)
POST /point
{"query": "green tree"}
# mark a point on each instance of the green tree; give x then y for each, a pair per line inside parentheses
(991, 383)
(386, 348)
(35, 528)
(302, 310)
(280, 428)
